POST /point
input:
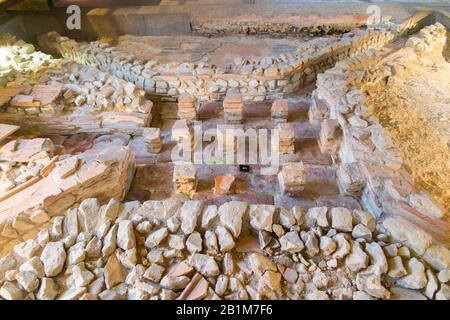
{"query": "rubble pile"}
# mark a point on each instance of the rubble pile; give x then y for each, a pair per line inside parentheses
(369, 163)
(174, 250)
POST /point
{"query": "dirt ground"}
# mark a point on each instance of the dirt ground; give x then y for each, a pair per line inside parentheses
(415, 110)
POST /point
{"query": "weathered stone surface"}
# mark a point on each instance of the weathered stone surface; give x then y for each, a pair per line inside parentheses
(378, 260)
(204, 264)
(343, 246)
(416, 278)
(327, 245)
(438, 257)
(189, 213)
(341, 219)
(357, 259)
(371, 284)
(259, 264)
(155, 238)
(225, 239)
(10, 291)
(47, 290)
(396, 267)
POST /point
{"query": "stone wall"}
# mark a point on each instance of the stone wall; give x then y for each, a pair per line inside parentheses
(183, 250)
(256, 80)
(369, 165)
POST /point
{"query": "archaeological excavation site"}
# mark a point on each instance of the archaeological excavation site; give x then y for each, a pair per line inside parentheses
(224, 150)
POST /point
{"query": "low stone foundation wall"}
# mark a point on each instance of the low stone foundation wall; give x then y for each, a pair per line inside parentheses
(256, 80)
(369, 165)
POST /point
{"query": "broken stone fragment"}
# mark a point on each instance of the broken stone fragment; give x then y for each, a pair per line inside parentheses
(443, 293)
(438, 257)
(259, 264)
(399, 293)
(154, 272)
(27, 249)
(327, 245)
(343, 246)
(181, 269)
(416, 278)
(53, 258)
(225, 239)
(197, 289)
(10, 291)
(221, 285)
(175, 283)
(34, 265)
(432, 285)
(89, 214)
(27, 280)
(270, 284)
(110, 241)
(341, 219)
(76, 253)
(189, 213)
(72, 294)
(403, 231)
(81, 277)
(223, 185)
(47, 290)
(317, 216)
(377, 258)
(311, 244)
(208, 216)
(396, 268)
(362, 232)
(357, 259)
(371, 284)
(194, 242)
